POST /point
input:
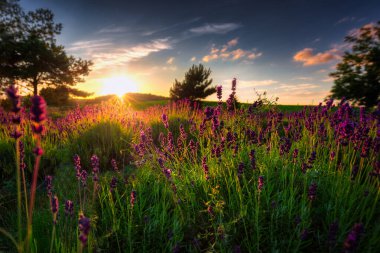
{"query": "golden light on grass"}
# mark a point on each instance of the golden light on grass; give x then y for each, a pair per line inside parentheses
(118, 85)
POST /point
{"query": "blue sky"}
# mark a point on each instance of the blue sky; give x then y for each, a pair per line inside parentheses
(286, 48)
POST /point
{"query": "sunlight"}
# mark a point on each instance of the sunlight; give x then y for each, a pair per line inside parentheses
(118, 85)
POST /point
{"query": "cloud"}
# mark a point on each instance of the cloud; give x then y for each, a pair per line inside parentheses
(89, 45)
(308, 58)
(303, 78)
(370, 27)
(328, 80)
(225, 53)
(254, 83)
(345, 20)
(170, 60)
(215, 28)
(193, 59)
(112, 29)
(122, 55)
(233, 42)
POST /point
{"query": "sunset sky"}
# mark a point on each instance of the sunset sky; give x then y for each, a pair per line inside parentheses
(286, 48)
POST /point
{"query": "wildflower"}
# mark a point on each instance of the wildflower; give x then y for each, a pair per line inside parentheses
(285, 145)
(77, 166)
(83, 177)
(114, 165)
(304, 234)
(113, 183)
(354, 172)
(165, 120)
(38, 151)
(48, 181)
(84, 228)
(69, 208)
(133, 197)
(14, 96)
(205, 167)
(352, 240)
(54, 208)
(295, 155)
(210, 210)
(312, 193)
(260, 183)
(95, 167)
(332, 155)
(38, 109)
(219, 92)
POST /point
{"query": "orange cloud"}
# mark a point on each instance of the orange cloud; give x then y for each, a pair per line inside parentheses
(226, 54)
(308, 58)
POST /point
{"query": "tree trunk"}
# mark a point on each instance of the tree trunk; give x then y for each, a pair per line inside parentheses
(35, 90)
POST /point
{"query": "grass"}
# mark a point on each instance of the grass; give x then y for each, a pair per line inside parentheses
(230, 183)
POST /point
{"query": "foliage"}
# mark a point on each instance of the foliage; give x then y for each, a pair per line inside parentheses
(357, 76)
(29, 52)
(196, 85)
(60, 95)
(256, 179)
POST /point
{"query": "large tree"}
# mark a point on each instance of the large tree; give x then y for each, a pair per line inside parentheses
(196, 84)
(29, 53)
(357, 76)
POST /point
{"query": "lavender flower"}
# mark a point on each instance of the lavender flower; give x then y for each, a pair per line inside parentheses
(352, 240)
(240, 169)
(38, 109)
(95, 167)
(69, 208)
(219, 92)
(333, 232)
(54, 208)
(48, 181)
(133, 198)
(114, 165)
(84, 229)
(260, 183)
(205, 167)
(77, 166)
(14, 96)
(252, 158)
(165, 120)
(113, 184)
(312, 192)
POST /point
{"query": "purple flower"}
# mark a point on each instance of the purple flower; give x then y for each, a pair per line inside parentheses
(14, 96)
(48, 181)
(219, 92)
(312, 192)
(205, 167)
(114, 165)
(95, 167)
(69, 208)
(352, 240)
(113, 183)
(304, 234)
(54, 208)
(38, 109)
(77, 166)
(165, 120)
(260, 183)
(295, 155)
(84, 228)
(133, 198)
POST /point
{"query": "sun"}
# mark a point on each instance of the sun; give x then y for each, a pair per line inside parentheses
(118, 85)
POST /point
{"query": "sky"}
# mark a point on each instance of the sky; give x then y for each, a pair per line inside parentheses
(285, 48)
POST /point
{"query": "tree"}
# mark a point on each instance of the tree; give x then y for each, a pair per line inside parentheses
(60, 95)
(195, 86)
(357, 76)
(29, 53)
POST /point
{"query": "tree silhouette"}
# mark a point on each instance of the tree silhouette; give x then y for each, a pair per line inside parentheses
(60, 95)
(29, 53)
(195, 86)
(357, 76)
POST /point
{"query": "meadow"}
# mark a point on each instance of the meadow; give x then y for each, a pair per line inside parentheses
(179, 177)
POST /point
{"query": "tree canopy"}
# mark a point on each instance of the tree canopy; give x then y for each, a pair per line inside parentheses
(357, 76)
(29, 53)
(195, 86)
